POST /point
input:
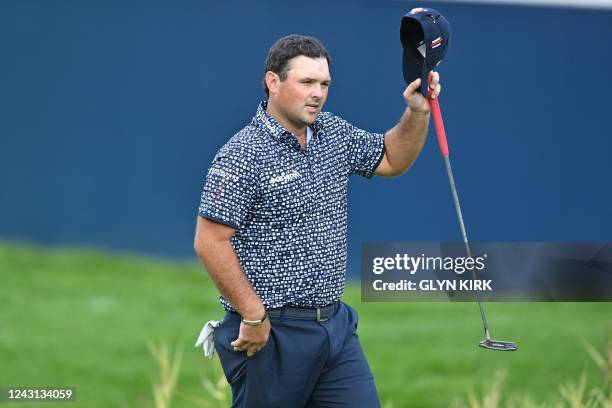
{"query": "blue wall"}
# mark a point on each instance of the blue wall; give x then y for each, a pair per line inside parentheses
(111, 111)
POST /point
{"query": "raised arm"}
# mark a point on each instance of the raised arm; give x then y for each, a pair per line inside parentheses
(404, 141)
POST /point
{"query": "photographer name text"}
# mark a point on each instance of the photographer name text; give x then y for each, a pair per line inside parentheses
(434, 285)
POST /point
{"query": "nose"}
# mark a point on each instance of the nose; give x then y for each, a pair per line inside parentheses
(317, 91)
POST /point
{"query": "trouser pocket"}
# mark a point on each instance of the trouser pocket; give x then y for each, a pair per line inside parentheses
(233, 362)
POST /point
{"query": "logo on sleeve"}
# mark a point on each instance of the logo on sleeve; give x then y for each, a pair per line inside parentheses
(223, 174)
(219, 192)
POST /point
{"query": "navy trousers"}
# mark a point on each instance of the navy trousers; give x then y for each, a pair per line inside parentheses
(304, 364)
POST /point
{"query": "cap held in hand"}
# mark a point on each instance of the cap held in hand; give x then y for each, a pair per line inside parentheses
(425, 36)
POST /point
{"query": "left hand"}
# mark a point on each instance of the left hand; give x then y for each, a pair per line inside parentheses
(252, 338)
(418, 102)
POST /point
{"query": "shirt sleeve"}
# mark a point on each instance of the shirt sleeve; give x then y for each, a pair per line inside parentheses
(366, 151)
(230, 188)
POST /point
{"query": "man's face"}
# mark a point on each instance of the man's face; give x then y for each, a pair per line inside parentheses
(301, 96)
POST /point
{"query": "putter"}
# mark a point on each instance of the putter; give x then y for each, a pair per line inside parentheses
(488, 342)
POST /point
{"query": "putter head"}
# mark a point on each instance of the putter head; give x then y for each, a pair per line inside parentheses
(498, 345)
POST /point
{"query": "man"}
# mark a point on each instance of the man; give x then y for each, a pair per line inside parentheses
(271, 233)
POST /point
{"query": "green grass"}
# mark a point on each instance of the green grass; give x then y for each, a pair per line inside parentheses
(82, 318)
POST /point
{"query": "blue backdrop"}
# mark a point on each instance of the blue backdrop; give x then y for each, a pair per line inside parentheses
(111, 111)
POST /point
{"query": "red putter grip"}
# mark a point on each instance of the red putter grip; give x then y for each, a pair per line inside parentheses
(437, 118)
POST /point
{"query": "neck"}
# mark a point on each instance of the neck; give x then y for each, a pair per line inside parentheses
(297, 130)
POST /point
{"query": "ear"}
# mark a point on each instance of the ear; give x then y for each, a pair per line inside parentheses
(272, 82)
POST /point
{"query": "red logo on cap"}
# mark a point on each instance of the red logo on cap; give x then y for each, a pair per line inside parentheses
(437, 42)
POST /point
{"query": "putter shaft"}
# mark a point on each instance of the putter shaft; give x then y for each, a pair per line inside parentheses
(451, 180)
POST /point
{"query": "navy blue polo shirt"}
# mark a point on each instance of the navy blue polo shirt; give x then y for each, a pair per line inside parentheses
(288, 205)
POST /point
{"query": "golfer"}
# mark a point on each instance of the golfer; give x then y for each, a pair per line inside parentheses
(271, 233)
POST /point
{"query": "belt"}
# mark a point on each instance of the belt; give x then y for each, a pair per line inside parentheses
(319, 314)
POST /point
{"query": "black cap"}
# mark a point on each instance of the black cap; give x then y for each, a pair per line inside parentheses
(425, 36)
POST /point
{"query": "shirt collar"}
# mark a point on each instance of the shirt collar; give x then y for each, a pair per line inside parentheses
(275, 129)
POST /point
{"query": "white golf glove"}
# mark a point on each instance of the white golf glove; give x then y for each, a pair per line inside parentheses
(205, 339)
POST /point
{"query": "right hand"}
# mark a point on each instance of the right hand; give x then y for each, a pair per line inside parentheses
(418, 102)
(252, 338)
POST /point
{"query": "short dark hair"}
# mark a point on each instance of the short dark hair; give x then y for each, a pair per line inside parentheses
(288, 48)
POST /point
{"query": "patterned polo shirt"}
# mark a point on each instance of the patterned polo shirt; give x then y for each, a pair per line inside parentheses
(289, 205)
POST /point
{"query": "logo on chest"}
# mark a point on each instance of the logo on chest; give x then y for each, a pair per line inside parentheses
(284, 178)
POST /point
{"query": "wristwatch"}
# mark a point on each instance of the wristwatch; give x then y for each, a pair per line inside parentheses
(255, 322)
